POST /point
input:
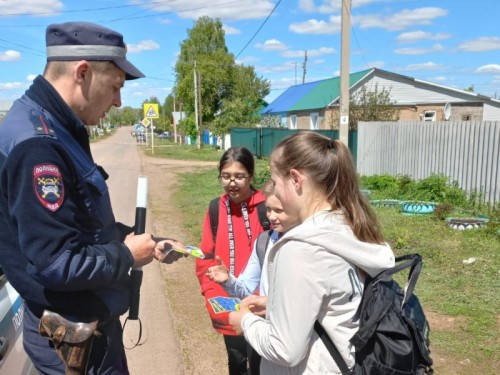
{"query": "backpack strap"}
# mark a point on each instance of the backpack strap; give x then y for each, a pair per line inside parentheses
(213, 213)
(334, 352)
(261, 245)
(262, 211)
(414, 261)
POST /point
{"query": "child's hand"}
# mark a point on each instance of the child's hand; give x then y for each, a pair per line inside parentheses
(256, 304)
(218, 273)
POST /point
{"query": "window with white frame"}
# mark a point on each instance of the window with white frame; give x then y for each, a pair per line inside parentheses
(314, 121)
(430, 116)
(293, 121)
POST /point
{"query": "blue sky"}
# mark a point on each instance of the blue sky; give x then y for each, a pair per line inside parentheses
(454, 43)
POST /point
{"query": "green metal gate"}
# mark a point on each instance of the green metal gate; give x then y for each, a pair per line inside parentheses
(261, 141)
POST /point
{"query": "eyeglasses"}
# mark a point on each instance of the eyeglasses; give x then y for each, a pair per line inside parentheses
(226, 179)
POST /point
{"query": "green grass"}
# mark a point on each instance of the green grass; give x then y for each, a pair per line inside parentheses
(465, 293)
(169, 149)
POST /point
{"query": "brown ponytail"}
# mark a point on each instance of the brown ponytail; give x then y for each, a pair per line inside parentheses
(329, 165)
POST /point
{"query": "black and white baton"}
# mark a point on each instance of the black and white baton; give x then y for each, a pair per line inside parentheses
(140, 228)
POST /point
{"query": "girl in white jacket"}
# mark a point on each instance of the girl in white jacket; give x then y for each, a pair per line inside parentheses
(316, 269)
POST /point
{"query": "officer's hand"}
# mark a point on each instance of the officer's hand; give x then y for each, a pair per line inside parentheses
(142, 248)
(164, 252)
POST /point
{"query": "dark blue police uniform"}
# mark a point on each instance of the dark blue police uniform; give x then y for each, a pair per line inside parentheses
(60, 246)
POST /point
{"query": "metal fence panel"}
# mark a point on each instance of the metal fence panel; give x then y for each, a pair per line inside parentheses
(261, 141)
(466, 152)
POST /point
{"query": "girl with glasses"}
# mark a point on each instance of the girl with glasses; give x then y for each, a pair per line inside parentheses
(237, 228)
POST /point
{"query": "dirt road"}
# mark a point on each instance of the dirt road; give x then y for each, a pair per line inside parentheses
(177, 334)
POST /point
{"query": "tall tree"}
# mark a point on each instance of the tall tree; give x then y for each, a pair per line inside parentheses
(223, 86)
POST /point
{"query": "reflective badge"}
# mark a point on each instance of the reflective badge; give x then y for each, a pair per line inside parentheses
(49, 186)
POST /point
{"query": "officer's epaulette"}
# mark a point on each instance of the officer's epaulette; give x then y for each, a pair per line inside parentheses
(41, 124)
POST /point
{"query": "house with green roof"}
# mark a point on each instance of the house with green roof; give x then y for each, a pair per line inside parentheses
(314, 105)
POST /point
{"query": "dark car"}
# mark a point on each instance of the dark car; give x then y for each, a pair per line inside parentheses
(164, 135)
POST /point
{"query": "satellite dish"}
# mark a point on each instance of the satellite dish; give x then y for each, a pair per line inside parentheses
(447, 111)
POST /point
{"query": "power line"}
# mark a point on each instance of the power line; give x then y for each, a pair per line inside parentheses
(263, 23)
(84, 10)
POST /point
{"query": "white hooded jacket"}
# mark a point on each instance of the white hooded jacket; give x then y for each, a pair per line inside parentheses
(313, 274)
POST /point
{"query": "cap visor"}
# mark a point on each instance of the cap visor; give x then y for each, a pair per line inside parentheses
(131, 72)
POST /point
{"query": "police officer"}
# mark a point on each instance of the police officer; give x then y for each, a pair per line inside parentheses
(60, 245)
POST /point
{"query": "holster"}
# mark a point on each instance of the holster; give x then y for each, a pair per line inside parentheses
(72, 340)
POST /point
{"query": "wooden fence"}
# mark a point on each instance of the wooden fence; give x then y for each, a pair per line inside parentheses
(466, 152)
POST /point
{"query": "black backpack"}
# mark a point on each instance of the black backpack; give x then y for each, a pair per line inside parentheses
(213, 212)
(393, 335)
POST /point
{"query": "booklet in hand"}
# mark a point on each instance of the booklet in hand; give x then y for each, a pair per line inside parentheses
(224, 304)
(191, 250)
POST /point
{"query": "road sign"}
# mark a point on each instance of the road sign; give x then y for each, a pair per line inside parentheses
(145, 122)
(151, 110)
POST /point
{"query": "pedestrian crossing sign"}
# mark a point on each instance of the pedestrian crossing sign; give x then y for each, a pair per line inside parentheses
(151, 110)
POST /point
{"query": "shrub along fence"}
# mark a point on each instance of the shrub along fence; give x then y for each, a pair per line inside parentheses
(466, 152)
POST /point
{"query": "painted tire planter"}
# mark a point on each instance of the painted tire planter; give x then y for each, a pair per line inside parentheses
(465, 223)
(366, 193)
(386, 202)
(418, 207)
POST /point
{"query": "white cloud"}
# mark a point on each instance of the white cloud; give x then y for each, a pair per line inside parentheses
(423, 66)
(10, 55)
(419, 51)
(310, 53)
(481, 44)
(314, 26)
(331, 6)
(490, 68)
(401, 20)
(272, 45)
(415, 36)
(31, 77)
(285, 67)
(248, 60)
(283, 83)
(369, 65)
(231, 30)
(439, 79)
(226, 11)
(42, 8)
(12, 85)
(145, 45)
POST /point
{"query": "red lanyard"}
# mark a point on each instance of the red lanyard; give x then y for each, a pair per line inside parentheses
(230, 229)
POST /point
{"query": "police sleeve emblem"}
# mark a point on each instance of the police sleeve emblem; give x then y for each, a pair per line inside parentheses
(49, 186)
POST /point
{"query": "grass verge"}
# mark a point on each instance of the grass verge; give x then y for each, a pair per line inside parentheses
(461, 299)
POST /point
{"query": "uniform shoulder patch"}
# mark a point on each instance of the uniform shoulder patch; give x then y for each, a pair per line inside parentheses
(49, 187)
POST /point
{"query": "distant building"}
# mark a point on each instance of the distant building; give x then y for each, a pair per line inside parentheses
(312, 105)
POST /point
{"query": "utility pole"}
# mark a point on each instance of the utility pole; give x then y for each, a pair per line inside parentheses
(304, 68)
(344, 72)
(196, 101)
(200, 121)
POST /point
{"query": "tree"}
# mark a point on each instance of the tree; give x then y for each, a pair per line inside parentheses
(470, 88)
(243, 106)
(226, 89)
(369, 105)
(124, 116)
